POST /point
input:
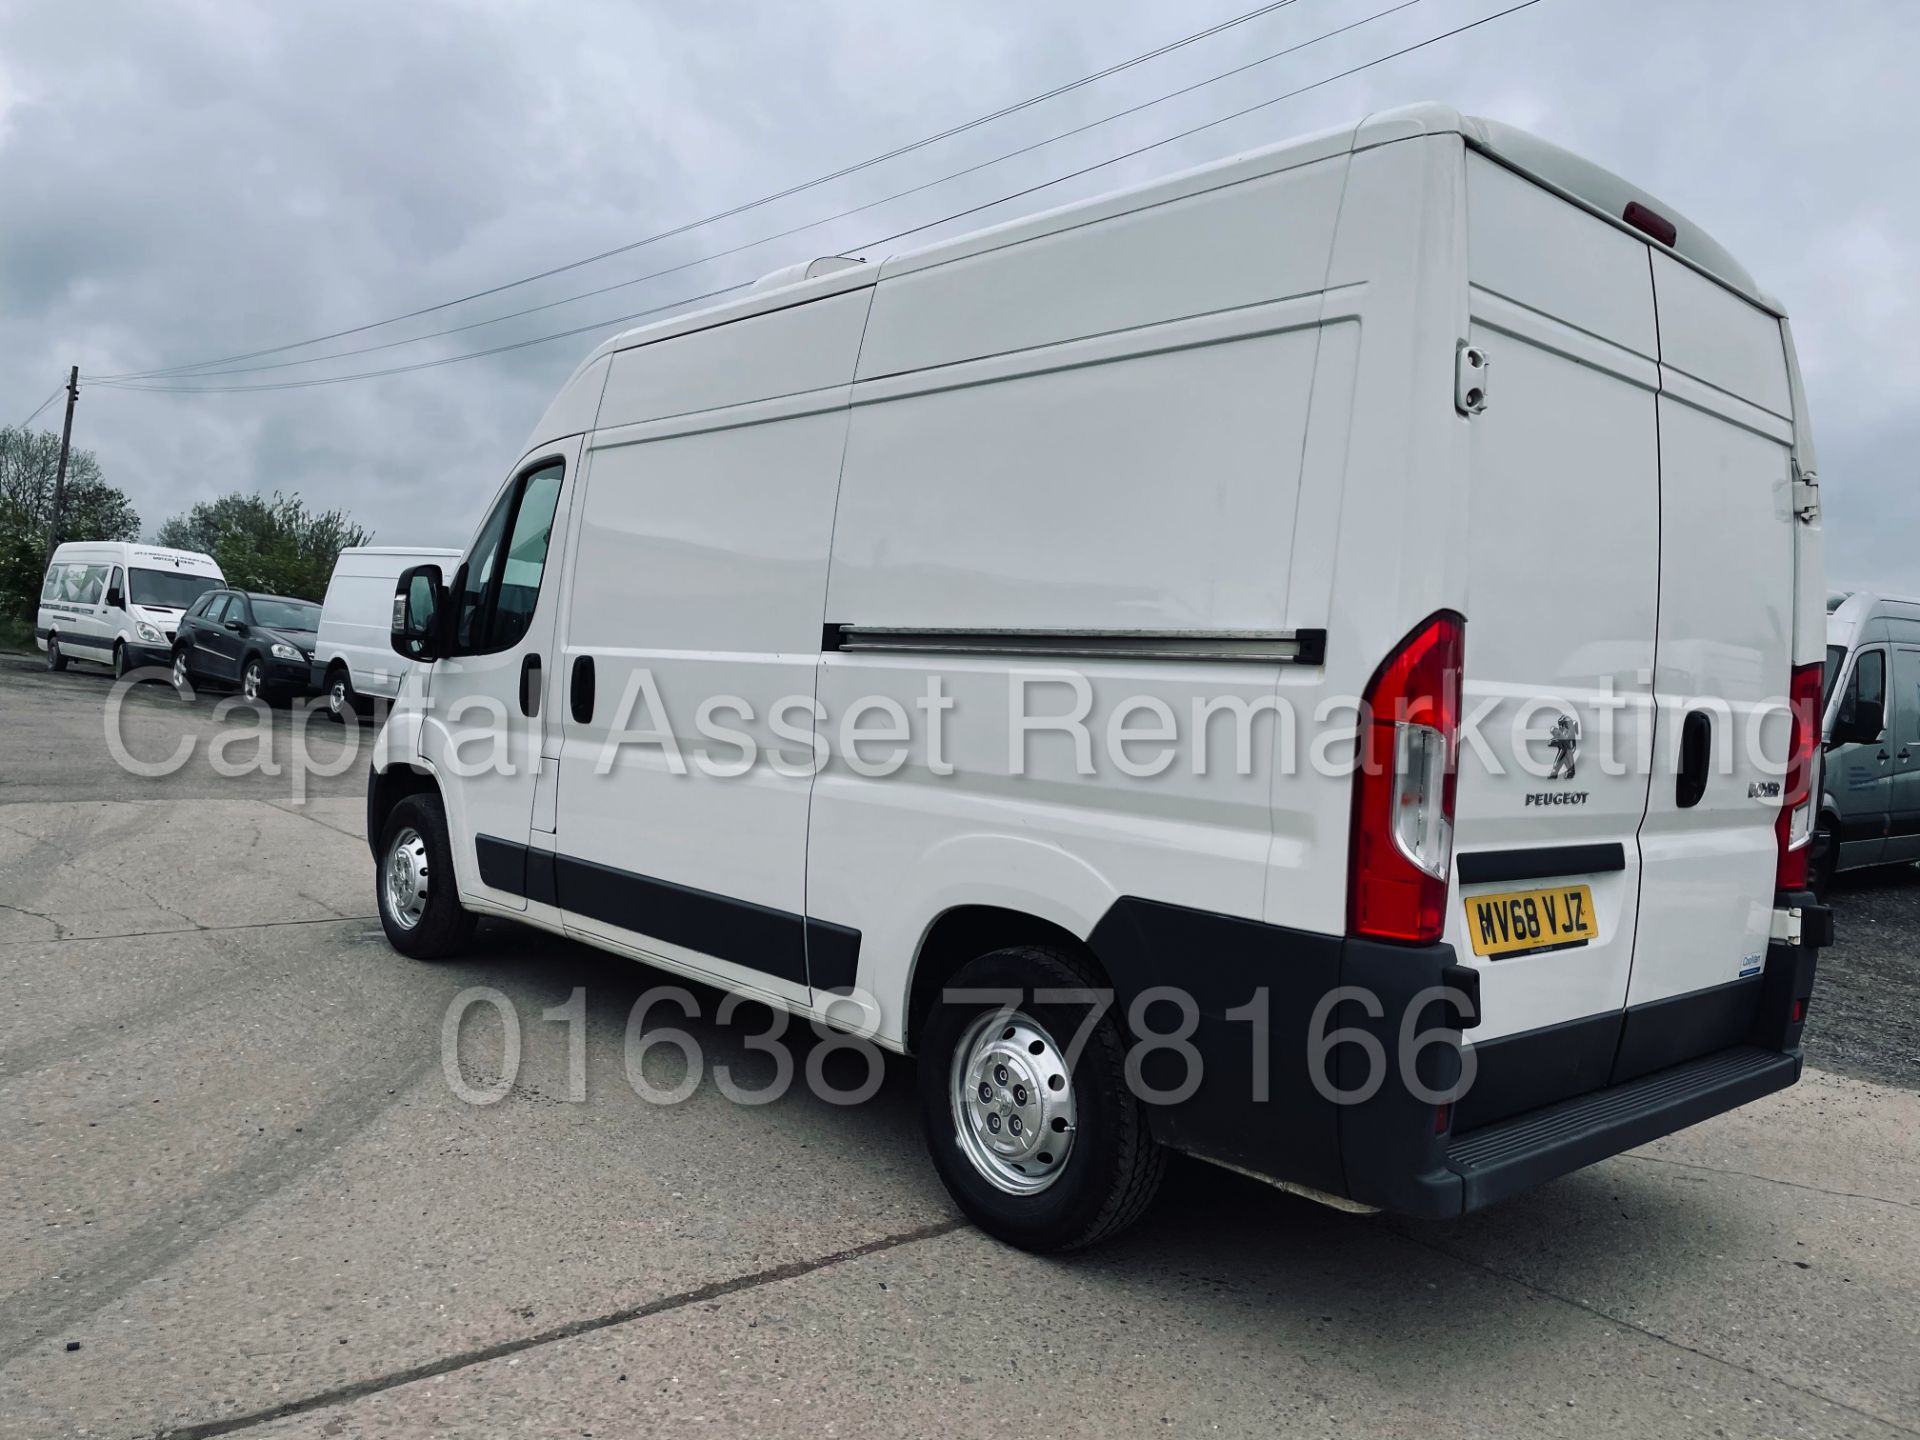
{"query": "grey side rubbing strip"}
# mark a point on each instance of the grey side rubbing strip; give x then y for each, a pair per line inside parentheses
(1269, 647)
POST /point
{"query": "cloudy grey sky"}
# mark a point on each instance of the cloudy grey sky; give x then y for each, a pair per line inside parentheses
(186, 180)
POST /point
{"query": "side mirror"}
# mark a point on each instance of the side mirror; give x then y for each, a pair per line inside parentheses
(419, 601)
(115, 600)
(1860, 722)
(239, 627)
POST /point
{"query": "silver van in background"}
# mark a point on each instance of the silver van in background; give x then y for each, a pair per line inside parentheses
(1870, 806)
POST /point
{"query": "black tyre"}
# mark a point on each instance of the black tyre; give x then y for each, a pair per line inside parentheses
(56, 658)
(182, 673)
(119, 660)
(1040, 1154)
(419, 906)
(253, 680)
(342, 704)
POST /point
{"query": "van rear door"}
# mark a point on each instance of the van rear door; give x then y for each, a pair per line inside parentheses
(1725, 659)
(1562, 611)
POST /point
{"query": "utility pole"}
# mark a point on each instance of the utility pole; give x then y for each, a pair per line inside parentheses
(60, 477)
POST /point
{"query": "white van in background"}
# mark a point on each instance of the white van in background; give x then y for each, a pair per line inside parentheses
(118, 602)
(1423, 415)
(353, 660)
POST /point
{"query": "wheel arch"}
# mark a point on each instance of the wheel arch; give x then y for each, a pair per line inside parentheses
(386, 789)
(963, 933)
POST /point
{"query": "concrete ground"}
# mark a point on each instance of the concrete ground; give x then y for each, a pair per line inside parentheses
(234, 1174)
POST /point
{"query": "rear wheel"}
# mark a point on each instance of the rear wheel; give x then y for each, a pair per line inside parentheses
(419, 907)
(56, 658)
(1042, 1153)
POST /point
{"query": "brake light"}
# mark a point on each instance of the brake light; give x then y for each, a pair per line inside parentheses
(1794, 827)
(1650, 222)
(1401, 851)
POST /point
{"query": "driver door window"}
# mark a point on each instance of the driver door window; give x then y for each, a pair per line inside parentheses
(499, 584)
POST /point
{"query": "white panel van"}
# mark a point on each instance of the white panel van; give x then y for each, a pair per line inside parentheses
(353, 659)
(118, 603)
(1312, 662)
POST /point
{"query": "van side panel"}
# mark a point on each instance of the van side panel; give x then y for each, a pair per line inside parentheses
(699, 574)
(1217, 250)
(1036, 452)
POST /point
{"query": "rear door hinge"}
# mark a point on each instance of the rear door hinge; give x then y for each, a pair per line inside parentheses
(1471, 366)
(1806, 495)
(1786, 925)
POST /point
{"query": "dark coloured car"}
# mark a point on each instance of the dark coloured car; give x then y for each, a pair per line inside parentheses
(260, 645)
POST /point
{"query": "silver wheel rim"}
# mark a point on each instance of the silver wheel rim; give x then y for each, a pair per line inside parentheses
(406, 879)
(179, 672)
(250, 682)
(1012, 1098)
(337, 697)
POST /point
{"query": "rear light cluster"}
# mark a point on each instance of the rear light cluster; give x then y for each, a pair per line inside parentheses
(1402, 839)
(1794, 827)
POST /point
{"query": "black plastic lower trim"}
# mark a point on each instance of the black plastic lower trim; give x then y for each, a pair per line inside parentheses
(1664, 1033)
(759, 937)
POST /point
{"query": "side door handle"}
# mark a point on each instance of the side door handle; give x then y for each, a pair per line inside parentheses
(1905, 754)
(530, 685)
(580, 689)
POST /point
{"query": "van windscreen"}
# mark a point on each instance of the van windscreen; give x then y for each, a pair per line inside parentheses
(167, 589)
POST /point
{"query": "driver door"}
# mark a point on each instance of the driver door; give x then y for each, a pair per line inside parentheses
(485, 722)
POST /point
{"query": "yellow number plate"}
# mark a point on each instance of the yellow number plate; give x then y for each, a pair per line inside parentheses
(1525, 921)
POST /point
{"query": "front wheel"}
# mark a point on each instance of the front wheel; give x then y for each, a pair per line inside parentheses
(342, 704)
(419, 907)
(119, 660)
(1043, 1149)
(253, 681)
(56, 658)
(182, 675)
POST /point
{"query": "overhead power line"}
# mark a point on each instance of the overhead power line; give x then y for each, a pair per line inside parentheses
(742, 208)
(791, 230)
(160, 385)
(51, 397)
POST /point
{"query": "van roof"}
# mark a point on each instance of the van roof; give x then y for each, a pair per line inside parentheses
(130, 550)
(1580, 181)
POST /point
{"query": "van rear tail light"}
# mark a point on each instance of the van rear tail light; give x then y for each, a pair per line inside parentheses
(1401, 851)
(1794, 827)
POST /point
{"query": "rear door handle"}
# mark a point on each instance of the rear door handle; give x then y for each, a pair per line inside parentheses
(530, 685)
(1696, 758)
(580, 690)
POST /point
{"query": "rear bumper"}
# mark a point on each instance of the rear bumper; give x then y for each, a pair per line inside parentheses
(1295, 1108)
(1502, 1159)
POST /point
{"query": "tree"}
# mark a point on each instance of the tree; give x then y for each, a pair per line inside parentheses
(93, 510)
(276, 544)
